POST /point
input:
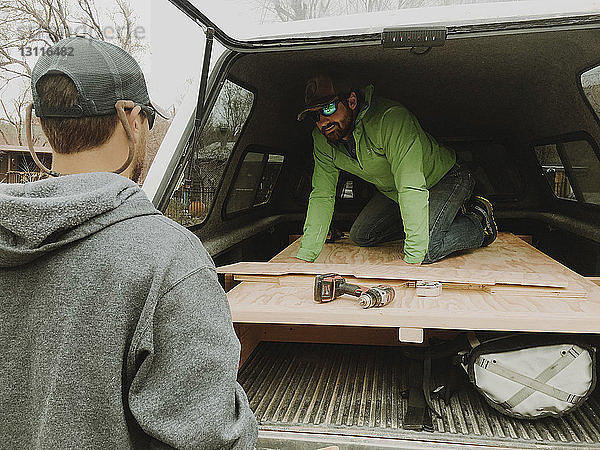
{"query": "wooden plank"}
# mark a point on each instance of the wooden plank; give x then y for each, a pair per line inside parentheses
(453, 309)
(398, 272)
(595, 280)
(508, 252)
(537, 291)
(344, 251)
(228, 282)
(339, 335)
(307, 282)
(329, 334)
(249, 337)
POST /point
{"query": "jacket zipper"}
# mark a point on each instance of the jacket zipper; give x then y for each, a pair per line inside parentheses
(356, 147)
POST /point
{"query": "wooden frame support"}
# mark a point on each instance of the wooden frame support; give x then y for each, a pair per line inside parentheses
(229, 282)
(250, 336)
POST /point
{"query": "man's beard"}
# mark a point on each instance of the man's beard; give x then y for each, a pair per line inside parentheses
(341, 130)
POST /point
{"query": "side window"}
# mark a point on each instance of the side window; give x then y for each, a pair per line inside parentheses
(554, 171)
(573, 169)
(255, 180)
(585, 168)
(196, 190)
(348, 190)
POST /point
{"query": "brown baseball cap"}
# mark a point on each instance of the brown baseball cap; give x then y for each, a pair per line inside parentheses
(320, 91)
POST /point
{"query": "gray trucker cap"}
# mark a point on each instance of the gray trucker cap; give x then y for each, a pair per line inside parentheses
(102, 72)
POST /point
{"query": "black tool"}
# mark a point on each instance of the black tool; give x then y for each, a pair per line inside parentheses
(330, 286)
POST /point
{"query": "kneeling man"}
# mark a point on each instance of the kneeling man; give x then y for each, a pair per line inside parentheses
(424, 194)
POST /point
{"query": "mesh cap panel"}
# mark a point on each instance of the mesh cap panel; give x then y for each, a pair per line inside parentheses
(102, 72)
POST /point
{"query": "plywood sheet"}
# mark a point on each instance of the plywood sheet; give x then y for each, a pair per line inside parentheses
(398, 271)
(345, 251)
(453, 309)
(508, 253)
(463, 309)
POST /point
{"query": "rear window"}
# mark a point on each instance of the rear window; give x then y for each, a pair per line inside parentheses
(247, 19)
(572, 169)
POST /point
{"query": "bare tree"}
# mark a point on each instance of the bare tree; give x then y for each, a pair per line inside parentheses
(40, 24)
(235, 103)
(3, 134)
(125, 31)
(592, 92)
(373, 5)
(44, 22)
(290, 10)
(15, 117)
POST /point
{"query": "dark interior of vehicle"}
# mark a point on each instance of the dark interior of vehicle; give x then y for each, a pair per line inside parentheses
(491, 98)
(495, 99)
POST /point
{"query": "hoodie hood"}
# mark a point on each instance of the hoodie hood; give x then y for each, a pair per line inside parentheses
(40, 217)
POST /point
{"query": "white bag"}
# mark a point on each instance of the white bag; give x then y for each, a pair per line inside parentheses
(524, 376)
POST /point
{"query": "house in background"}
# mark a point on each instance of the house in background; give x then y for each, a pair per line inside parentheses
(17, 165)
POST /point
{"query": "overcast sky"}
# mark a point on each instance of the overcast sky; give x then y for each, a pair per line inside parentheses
(174, 51)
(175, 44)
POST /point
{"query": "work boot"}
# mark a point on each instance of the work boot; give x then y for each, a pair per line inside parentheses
(482, 209)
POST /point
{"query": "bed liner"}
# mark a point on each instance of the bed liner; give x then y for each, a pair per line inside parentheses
(355, 397)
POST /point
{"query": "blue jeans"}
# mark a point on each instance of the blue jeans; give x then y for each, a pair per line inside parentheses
(449, 231)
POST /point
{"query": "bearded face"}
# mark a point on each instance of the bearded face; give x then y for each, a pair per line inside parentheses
(338, 126)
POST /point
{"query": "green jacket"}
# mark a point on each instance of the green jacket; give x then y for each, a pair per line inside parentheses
(396, 155)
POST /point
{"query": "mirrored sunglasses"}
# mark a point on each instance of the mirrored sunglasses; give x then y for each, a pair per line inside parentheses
(326, 110)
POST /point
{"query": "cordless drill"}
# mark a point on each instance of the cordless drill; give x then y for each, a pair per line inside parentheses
(329, 286)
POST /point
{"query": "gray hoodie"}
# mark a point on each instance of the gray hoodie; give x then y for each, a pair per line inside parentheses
(114, 330)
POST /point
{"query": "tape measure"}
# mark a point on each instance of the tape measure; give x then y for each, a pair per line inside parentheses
(428, 288)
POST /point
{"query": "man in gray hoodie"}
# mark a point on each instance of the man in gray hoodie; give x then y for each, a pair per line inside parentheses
(114, 330)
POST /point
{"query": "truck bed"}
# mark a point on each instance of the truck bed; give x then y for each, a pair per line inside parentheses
(312, 395)
(335, 374)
